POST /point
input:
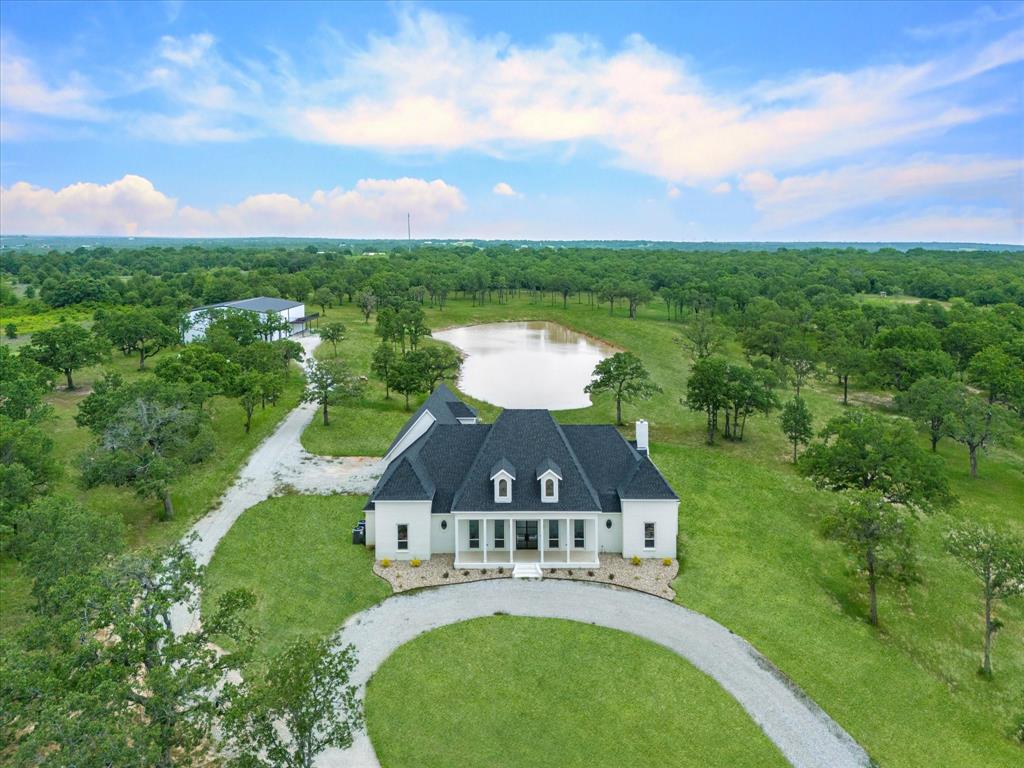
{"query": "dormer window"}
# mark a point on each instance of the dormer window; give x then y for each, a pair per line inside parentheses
(549, 476)
(502, 475)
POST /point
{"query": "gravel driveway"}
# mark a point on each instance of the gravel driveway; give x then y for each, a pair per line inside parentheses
(278, 464)
(802, 731)
(805, 735)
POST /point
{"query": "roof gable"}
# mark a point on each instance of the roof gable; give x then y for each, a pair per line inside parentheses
(438, 405)
(525, 439)
(503, 465)
(407, 482)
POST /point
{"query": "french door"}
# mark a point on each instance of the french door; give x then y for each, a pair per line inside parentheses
(526, 534)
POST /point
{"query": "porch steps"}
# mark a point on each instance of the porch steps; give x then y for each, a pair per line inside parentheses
(527, 571)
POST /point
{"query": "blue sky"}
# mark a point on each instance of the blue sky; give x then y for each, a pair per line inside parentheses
(760, 121)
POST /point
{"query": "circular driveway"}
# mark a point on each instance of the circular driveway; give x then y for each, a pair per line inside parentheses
(805, 735)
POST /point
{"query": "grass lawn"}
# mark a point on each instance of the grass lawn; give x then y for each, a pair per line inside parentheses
(753, 557)
(296, 554)
(514, 691)
(193, 494)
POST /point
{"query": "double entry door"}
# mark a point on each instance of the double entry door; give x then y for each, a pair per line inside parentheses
(526, 534)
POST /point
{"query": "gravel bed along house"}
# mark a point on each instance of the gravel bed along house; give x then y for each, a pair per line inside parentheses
(651, 576)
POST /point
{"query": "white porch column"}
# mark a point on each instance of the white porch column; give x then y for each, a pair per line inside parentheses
(456, 521)
(483, 536)
(541, 533)
(568, 540)
(511, 541)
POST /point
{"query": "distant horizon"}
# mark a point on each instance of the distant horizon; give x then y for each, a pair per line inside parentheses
(669, 122)
(85, 240)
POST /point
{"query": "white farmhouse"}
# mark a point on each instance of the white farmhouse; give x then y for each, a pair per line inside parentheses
(524, 491)
(293, 312)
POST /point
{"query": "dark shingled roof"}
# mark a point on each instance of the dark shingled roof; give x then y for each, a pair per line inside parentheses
(548, 466)
(525, 438)
(453, 464)
(408, 482)
(460, 410)
(503, 464)
(606, 458)
(440, 406)
(646, 482)
(443, 455)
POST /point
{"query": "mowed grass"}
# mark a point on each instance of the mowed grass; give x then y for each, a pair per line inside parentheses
(754, 558)
(296, 554)
(514, 691)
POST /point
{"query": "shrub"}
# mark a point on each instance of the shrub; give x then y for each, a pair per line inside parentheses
(444, 575)
(501, 570)
(415, 562)
(590, 573)
(465, 573)
(385, 563)
(667, 561)
(611, 577)
(635, 560)
(1018, 732)
(483, 570)
(570, 572)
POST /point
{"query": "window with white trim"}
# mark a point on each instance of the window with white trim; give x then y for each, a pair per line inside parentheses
(552, 534)
(499, 534)
(648, 535)
(474, 534)
(549, 490)
(502, 488)
(403, 536)
(579, 539)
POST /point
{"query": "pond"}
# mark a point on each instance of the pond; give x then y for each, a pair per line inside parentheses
(526, 364)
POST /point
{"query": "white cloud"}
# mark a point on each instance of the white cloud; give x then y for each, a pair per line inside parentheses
(23, 89)
(979, 19)
(128, 206)
(798, 199)
(133, 206)
(188, 52)
(672, 192)
(722, 188)
(504, 189)
(434, 86)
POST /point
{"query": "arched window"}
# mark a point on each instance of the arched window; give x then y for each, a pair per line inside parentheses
(503, 487)
(549, 487)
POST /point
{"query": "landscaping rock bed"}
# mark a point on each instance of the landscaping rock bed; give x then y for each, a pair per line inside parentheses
(651, 576)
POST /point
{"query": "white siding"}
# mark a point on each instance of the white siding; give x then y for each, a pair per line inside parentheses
(200, 319)
(389, 514)
(610, 539)
(442, 540)
(371, 527)
(665, 516)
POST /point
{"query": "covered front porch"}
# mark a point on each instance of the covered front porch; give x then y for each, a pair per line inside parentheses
(547, 540)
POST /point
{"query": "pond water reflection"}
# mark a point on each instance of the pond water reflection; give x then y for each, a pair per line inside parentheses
(526, 364)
